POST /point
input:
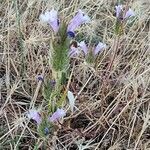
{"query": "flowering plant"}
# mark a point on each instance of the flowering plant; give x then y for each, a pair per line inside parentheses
(121, 17)
(53, 92)
(51, 17)
(45, 124)
(64, 46)
(59, 58)
(90, 53)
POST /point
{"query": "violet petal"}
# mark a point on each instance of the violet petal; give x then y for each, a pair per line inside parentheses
(51, 18)
(118, 10)
(73, 51)
(33, 114)
(99, 47)
(129, 13)
(83, 46)
(77, 20)
(57, 115)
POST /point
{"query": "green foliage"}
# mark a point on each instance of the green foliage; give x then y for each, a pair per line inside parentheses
(64, 78)
(119, 27)
(63, 32)
(35, 147)
(45, 128)
(60, 58)
(61, 99)
(47, 90)
(53, 93)
(53, 100)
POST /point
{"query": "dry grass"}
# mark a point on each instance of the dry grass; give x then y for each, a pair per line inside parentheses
(112, 114)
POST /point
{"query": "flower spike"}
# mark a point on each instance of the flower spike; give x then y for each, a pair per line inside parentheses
(129, 13)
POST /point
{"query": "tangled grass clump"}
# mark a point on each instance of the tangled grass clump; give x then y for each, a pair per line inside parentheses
(75, 75)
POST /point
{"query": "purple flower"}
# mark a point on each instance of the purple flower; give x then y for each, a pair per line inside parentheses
(78, 19)
(57, 115)
(70, 34)
(119, 8)
(40, 78)
(53, 83)
(129, 13)
(99, 47)
(46, 131)
(33, 114)
(73, 51)
(51, 18)
(83, 46)
(96, 50)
